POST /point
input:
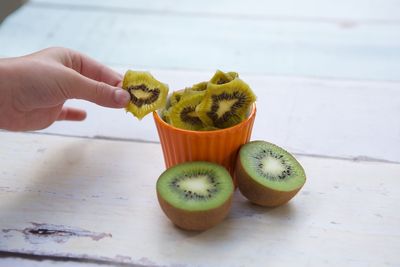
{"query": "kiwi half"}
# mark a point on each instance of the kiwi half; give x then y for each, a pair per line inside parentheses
(195, 195)
(147, 93)
(225, 105)
(268, 175)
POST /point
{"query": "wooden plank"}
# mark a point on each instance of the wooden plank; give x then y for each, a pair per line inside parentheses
(353, 10)
(357, 51)
(101, 196)
(33, 261)
(339, 118)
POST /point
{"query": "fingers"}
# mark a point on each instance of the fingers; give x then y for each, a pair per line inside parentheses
(97, 83)
(82, 64)
(94, 70)
(71, 114)
(97, 92)
(80, 76)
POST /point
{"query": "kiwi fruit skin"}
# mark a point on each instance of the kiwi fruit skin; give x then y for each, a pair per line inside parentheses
(141, 80)
(258, 193)
(196, 220)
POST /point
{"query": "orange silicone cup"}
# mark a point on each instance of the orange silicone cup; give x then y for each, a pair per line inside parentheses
(220, 146)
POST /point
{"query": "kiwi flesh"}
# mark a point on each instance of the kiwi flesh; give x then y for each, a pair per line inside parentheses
(183, 114)
(225, 105)
(221, 77)
(176, 97)
(268, 175)
(189, 92)
(201, 86)
(147, 93)
(195, 195)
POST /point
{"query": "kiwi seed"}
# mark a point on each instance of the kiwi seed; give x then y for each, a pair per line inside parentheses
(154, 94)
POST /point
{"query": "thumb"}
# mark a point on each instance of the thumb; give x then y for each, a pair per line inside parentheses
(98, 92)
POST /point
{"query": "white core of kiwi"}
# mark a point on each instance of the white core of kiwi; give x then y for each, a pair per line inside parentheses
(198, 184)
(272, 166)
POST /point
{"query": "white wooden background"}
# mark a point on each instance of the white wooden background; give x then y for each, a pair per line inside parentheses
(327, 77)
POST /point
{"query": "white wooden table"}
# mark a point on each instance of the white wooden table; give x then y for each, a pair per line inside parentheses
(328, 85)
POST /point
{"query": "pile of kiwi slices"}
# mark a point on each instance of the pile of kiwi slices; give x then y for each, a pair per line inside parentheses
(198, 195)
(221, 102)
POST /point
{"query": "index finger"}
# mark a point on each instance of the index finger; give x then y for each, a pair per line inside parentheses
(94, 70)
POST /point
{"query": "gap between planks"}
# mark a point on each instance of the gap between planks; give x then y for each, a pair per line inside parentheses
(133, 140)
(64, 259)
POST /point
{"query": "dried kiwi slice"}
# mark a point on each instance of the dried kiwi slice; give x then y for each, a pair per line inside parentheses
(221, 77)
(195, 195)
(165, 116)
(183, 114)
(225, 105)
(189, 92)
(202, 86)
(176, 97)
(267, 174)
(147, 93)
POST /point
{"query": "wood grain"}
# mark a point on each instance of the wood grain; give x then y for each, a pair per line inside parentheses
(108, 187)
(290, 47)
(337, 118)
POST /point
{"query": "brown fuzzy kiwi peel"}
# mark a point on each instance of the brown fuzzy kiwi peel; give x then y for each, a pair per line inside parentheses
(195, 195)
(195, 220)
(259, 194)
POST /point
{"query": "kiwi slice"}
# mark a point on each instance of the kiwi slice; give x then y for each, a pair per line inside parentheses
(195, 195)
(183, 114)
(189, 92)
(202, 86)
(225, 105)
(268, 175)
(165, 115)
(221, 77)
(147, 93)
(176, 97)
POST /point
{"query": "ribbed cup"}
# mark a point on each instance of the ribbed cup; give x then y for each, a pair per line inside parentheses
(220, 146)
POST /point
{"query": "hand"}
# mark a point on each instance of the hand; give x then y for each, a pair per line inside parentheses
(34, 88)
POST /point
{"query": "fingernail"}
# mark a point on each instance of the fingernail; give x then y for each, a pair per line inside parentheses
(121, 97)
